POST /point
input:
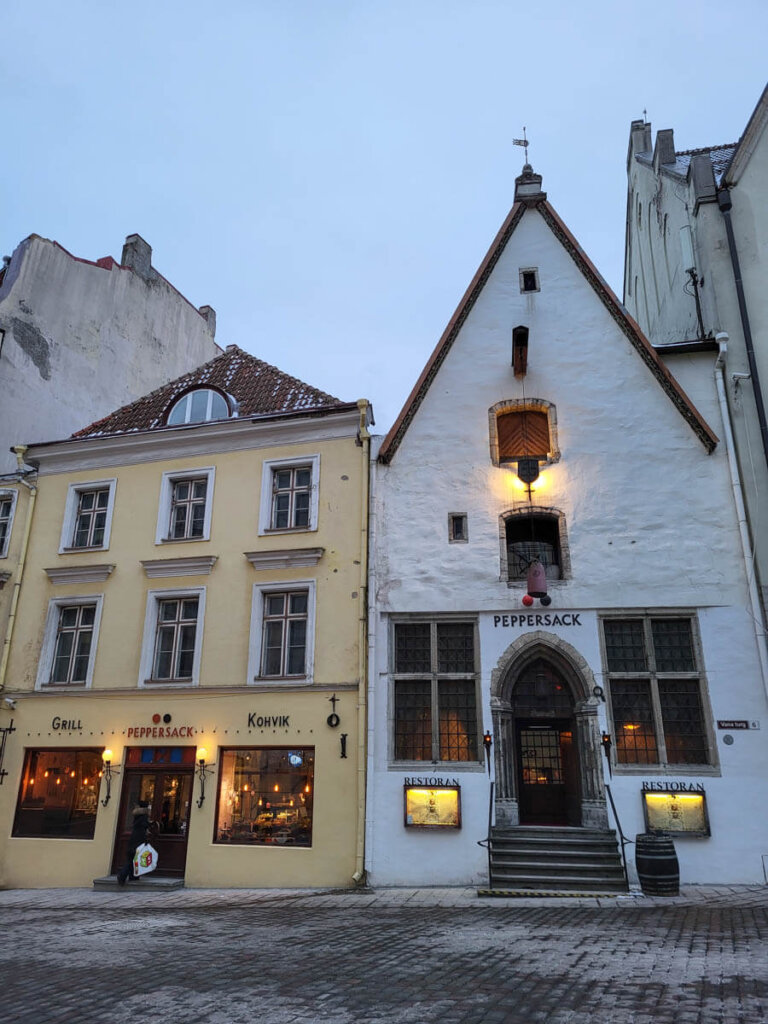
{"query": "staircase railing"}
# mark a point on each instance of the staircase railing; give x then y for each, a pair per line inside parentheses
(622, 838)
(487, 841)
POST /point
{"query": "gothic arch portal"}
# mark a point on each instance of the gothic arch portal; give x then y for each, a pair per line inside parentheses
(540, 648)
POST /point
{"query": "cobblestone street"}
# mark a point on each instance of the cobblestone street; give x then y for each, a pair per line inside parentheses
(411, 956)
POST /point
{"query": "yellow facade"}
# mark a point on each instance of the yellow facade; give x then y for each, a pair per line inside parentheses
(231, 704)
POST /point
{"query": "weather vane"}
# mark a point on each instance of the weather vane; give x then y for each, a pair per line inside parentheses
(522, 142)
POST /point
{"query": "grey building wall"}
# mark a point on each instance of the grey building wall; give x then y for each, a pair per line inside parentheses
(80, 338)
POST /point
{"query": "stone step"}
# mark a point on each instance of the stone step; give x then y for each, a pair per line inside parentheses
(520, 862)
(147, 883)
(564, 883)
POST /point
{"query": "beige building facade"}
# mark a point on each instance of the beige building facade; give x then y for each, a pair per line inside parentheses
(190, 632)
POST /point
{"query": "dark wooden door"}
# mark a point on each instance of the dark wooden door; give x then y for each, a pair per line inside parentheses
(546, 772)
(169, 792)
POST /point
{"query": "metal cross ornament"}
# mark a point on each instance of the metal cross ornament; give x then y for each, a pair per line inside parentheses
(522, 142)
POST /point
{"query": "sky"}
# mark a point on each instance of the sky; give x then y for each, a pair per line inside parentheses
(328, 175)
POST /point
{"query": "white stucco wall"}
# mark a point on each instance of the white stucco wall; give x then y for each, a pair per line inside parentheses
(650, 525)
(81, 340)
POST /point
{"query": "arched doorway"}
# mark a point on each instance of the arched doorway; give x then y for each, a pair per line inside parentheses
(546, 756)
(547, 748)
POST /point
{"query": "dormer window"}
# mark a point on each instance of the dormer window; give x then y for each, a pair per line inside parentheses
(199, 406)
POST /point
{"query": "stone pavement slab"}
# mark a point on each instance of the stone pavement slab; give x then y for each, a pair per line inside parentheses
(400, 956)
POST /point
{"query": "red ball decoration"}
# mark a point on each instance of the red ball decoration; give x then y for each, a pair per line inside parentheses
(527, 600)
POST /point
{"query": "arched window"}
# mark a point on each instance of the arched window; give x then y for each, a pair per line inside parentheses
(199, 406)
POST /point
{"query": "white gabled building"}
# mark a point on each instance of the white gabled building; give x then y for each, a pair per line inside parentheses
(644, 648)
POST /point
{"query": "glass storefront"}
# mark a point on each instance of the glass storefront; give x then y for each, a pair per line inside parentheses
(265, 796)
(59, 794)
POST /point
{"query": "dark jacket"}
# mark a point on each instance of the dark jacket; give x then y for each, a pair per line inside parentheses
(140, 826)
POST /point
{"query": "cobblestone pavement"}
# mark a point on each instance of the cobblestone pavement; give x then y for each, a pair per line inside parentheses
(404, 956)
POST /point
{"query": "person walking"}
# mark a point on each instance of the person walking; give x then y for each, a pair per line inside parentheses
(137, 837)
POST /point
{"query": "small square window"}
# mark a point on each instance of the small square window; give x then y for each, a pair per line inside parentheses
(529, 279)
(457, 528)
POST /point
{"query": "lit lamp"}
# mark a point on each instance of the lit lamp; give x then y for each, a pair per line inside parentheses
(605, 741)
(203, 769)
(107, 772)
(487, 743)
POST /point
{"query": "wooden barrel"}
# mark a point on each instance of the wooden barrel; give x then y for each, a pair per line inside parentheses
(657, 866)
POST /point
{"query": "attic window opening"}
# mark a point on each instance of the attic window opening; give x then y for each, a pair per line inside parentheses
(529, 279)
(199, 406)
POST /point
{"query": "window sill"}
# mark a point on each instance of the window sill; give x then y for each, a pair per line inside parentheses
(266, 680)
(666, 769)
(423, 766)
(182, 540)
(288, 529)
(76, 551)
(186, 681)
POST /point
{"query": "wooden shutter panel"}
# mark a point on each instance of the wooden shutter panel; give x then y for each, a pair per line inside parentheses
(523, 433)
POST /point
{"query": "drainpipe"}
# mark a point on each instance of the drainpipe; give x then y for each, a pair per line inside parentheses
(20, 451)
(372, 668)
(725, 204)
(364, 439)
(746, 544)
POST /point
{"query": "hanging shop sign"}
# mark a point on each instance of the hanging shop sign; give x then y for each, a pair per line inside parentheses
(433, 806)
(531, 621)
(671, 812)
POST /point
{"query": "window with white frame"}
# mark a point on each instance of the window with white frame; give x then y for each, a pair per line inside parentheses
(69, 642)
(282, 632)
(173, 633)
(435, 691)
(88, 516)
(657, 696)
(289, 495)
(186, 501)
(7, 509)
(199, 406)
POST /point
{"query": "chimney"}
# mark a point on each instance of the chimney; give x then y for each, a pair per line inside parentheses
(703, 178)
(664, 153)
(208, 313)
(640, 137)
(528, 187)
(137, 254)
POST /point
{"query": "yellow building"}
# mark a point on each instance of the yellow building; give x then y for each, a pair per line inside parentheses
(191, 632)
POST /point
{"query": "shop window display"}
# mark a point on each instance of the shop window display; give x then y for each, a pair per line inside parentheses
(59, 794)
(266, 796)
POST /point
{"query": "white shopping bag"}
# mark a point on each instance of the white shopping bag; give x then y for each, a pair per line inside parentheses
(144, 860)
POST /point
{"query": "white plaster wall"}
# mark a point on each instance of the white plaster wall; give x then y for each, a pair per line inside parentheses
(81, 341)
(650, 524)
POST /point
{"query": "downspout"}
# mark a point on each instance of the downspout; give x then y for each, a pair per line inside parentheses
(20, 451)
(364, 439)
(725, 204)
(372, 667)
(746, 544)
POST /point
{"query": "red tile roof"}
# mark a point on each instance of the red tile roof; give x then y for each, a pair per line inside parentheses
(260, 389)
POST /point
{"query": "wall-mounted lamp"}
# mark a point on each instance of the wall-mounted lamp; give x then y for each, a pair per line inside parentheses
(488, 743)
(106, 773)
(203, 769)
(606, 741)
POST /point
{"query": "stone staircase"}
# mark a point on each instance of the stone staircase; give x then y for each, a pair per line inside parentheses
(147, 883)
(556, 858)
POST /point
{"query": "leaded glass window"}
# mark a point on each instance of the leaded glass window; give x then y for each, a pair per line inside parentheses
(435, 692)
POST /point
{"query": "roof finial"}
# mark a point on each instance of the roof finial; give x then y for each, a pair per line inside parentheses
(522, 142)
(645, 115)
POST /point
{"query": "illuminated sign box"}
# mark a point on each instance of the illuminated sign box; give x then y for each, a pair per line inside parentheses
(673, 813)
(432, 807)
